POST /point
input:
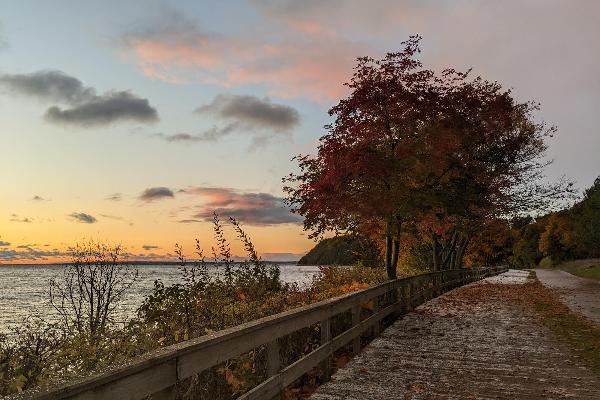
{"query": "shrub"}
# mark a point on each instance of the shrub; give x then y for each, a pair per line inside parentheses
(90, 289)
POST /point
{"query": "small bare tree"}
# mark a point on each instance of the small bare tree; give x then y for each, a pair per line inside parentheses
(91, 288)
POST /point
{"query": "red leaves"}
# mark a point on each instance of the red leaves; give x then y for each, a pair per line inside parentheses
(440, 151)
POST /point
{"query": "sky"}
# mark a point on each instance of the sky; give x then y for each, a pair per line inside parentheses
(130, 122)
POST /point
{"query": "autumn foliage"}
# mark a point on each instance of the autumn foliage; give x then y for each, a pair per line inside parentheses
(413, 151)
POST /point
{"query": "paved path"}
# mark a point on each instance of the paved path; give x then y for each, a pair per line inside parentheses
(580, 294)
(451, 348)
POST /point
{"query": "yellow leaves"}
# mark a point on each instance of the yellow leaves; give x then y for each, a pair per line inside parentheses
(184, 337)
(19, 383)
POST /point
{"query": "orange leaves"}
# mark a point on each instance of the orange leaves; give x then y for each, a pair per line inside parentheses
(239, 374)
(240, 294)
(369, 305)
(235, 382)
(354, 286)
(347, 288)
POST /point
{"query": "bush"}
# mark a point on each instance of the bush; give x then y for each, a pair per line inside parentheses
(90, 289)
(26, 354)
(335, 281)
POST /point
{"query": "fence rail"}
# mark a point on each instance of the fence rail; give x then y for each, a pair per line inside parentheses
(157, 373)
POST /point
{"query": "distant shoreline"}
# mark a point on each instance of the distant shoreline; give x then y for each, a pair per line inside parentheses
(142, 263)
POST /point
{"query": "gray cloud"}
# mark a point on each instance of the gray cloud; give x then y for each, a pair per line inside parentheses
(281, 256)
(29, 253)
(250, 111)
(107, 109)
(156, 193)
(38, 198)
(149, 257)
(16, 218)
(260, 119)
(150, 247)
(49, 85)
(85, 107)
(249, 208)
(115, 197)
(83, 218)
(210, 135)
(112, 217)
(4, 244)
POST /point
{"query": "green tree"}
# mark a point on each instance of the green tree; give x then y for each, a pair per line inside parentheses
(586, 222)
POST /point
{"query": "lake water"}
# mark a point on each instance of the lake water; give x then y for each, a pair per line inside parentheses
(24, 288)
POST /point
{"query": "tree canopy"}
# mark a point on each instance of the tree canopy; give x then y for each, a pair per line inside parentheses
(444, 153)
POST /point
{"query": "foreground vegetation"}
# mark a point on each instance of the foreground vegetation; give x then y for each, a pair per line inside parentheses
(86, 340)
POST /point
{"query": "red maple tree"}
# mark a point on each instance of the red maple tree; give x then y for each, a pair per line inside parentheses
(441, 152)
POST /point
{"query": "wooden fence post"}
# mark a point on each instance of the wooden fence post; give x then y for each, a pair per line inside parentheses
(403, 299)
(325, 338)
(356, 321)
(443, 283)
(377, 326)
(273, 361)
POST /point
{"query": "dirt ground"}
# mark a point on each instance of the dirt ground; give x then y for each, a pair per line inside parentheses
(580, 294)
(471, 343)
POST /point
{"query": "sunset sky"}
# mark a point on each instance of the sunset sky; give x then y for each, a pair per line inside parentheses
(131, 121)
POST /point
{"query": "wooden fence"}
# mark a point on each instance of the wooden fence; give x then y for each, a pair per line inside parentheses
(157, 373)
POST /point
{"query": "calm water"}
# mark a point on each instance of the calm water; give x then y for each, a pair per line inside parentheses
(24, 289)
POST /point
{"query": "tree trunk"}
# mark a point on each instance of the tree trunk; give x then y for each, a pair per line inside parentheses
(437, 256)
(449, 250)
(395, 254)
(461, 251)
(388, 256)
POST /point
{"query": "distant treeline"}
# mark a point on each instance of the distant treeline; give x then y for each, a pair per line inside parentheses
(573, 233)
(524, 242)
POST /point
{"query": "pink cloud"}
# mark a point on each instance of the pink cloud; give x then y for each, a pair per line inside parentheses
(314, 66)
(249, 208)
